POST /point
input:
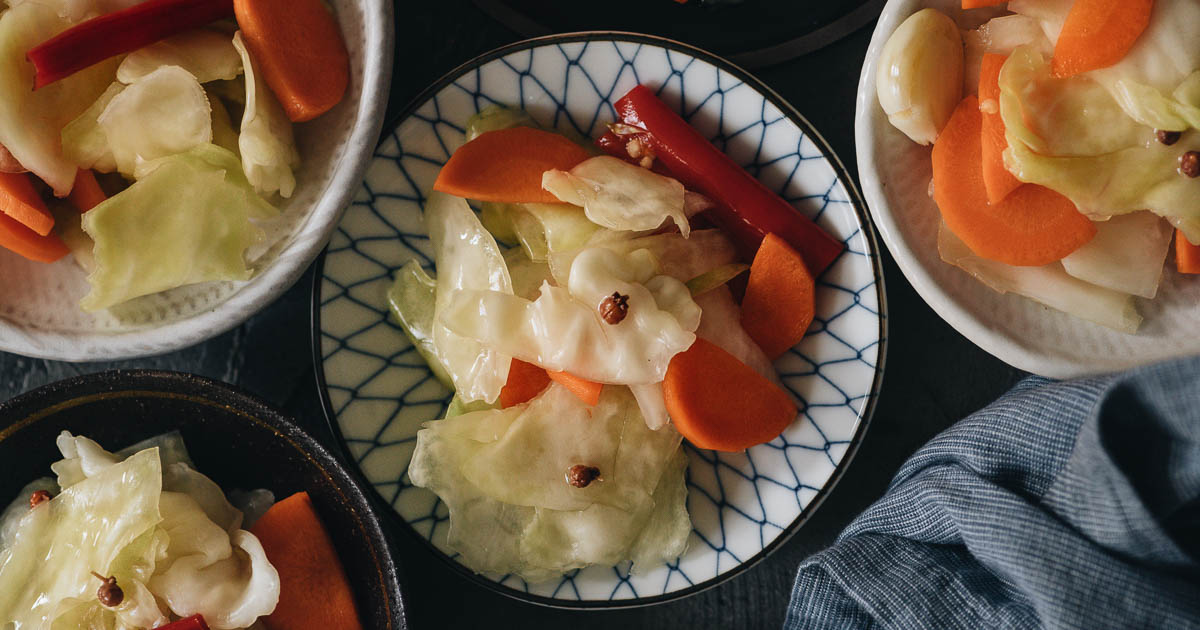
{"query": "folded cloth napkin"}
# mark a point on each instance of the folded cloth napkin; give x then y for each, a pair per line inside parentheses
(1062, 505)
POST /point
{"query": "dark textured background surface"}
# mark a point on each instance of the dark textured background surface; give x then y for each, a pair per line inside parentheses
(933, 375)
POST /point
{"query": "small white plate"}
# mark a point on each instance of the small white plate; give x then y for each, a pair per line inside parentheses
(378, 391)
(39, 303)
(895, 174)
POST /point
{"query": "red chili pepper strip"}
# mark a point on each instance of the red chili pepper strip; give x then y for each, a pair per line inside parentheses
(195, 622)
(118, 33)
(745, 209)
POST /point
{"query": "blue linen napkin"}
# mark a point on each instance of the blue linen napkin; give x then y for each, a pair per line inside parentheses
(1061, 505)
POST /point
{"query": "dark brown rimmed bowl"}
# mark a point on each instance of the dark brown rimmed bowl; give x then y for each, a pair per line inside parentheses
(237, 440)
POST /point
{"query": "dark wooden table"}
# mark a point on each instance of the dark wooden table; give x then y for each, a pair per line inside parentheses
(933, 375)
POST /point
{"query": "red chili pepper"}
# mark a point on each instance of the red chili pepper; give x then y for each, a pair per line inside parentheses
(195, 622)
(745, 209)
(118, 33)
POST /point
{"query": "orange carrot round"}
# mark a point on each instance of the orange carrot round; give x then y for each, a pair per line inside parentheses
(1187, 256)
(506, 165)
(997, 179)
(1033, 226)
(298, 48)
(585, 390)
(779, 303)
(86, 193)
(525, 380)
(719, 403)
(313, 591)
(24, 241)
(1099, 33)
(20, 201)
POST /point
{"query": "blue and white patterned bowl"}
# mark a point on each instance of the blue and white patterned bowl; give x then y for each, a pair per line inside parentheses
(743, 505)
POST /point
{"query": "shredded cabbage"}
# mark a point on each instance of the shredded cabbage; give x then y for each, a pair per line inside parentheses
(32, 121)
(412, 299)
(659, 323)
(163, 113)
(1049, 285)
(637, 511)
(467, 259)
(620, 196)
(268, 148)
(207, 54)
(187, 220)
(678, 257)
(1126, 255)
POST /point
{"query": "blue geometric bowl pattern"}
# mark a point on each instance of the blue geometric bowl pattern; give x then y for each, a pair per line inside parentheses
(742, 505)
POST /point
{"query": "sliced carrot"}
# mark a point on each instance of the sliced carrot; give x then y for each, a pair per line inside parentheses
(20, 201)
(30, 244)
(978, 4)
(1187, 256)
(313, 591)
(525, 380)
(86, 193)
(1033, 226)
(584, 389)
(506, 165)
(719, 403)
(298, 48)
(1099, 33)
(997, 179)
(779, 302)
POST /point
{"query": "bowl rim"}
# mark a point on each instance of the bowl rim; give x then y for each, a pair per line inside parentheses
(1013, 351)
(280, 274)
(43, 402)
(865, 416)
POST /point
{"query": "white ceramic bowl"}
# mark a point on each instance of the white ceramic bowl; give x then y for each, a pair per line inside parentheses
(895, 176)
(377, 390)
(39, 312)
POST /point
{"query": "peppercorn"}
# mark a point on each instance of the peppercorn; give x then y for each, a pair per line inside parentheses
(1167, 137)
(38, 498)
(109, 593)
(614, 308)
(580, 476)
(1189, 164)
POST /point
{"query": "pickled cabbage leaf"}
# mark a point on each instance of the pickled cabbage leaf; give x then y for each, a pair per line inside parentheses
(223, 576)
(496, 117)
(187, 220)
(1049, 285)
(1001, 36)
(467, 259)
(541, 229)
(639, 468)
(207, 54)
(1108, 166)
(678, 257)
(268, 148)
(527, 275)
(561, 330)
(412, 299)
(83, 139)
(164, 113)
(1126, 255)
(652, 403)
(87, 527)
(716, 278)
(32, 121)
(619, 195)
(721, 324)
(223, 133)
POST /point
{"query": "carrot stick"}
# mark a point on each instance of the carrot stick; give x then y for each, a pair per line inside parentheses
(313, 591)
(1187, 256)
(1033, 226)
(997, 179)
(778, 306)
(719, 403)
(86, 193)
(525, 380)
(298, 47)
(978, 4)
(20, 201)
(24, 241)
(584, 389)
(506, 165)
(1098, 33)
